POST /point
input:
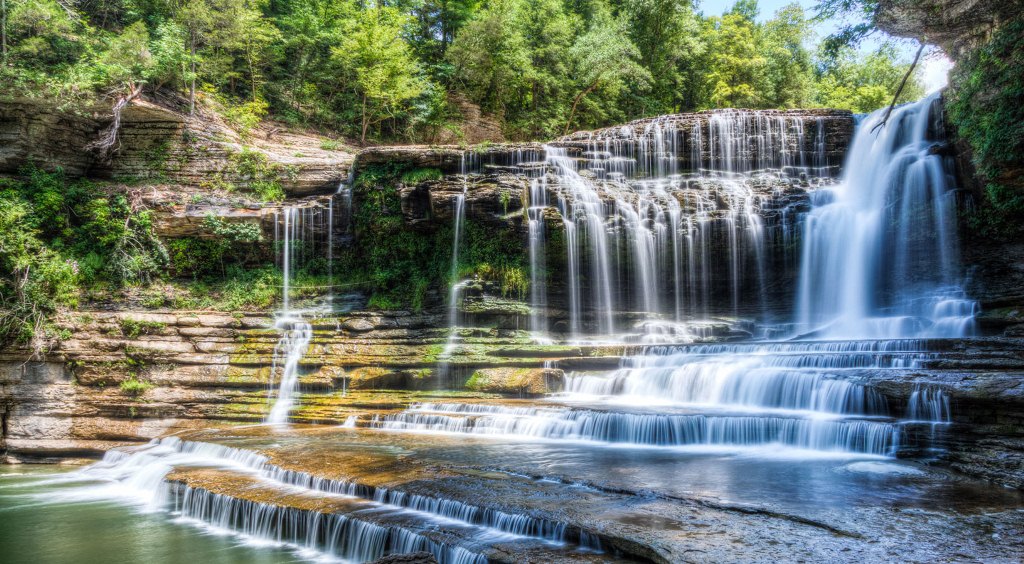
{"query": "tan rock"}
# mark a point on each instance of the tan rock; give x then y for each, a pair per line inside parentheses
(519, 381)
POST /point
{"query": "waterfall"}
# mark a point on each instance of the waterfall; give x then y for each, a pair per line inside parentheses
(677, 221)
(770, 398)
(880, 256)
(296, 332)
(355, 521)
(455, 286)
(302, 233)
(537, 204)
(582, 207)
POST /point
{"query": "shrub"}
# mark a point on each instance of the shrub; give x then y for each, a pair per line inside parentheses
(400, 264)
(134, 387)
(330, 145)
(246, 117)
(418, 175)
(261, 175)
(132, 328)
(986, 110)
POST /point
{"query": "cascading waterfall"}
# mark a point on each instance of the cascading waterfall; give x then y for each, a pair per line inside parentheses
(296, 332)
(657, 220)
(779, 396)
(880, 255)
(538, 262)
(372, 521)
(582, 207)
(455, 285)
(302, 233)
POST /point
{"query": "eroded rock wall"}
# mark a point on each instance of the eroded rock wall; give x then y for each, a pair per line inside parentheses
(158, 142)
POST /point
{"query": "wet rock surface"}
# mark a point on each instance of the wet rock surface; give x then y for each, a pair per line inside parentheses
(662, 507)
(201, 368)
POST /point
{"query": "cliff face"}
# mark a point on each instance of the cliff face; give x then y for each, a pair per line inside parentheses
(159, 143)
(958, 26)
(983, 117)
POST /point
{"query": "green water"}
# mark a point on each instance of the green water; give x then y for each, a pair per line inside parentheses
(37, 527)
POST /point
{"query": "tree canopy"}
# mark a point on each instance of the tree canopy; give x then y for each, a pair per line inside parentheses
(403, 69)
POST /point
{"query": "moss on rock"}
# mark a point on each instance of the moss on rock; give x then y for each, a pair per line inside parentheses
(519, 381)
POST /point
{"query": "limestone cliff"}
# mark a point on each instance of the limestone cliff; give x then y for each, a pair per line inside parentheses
(958, 26)
(158, 142)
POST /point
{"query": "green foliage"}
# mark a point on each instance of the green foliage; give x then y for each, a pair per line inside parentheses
(245, 117)
(330, 145)
(251, 289)
(987, 112)
(856, 16)
(400, 264)
(418, 175)
(405, 70)
(604, 64)
(863, 83)
(134, 387)
(55, 236)
(194, 256)
(381, 65)
(132, 328)
(261, 175)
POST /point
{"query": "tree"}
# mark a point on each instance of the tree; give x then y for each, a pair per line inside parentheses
(303, 88)
(604, 59)
(385, 73)
(40, 33)
(548, 32)
(864, 83)
(736, 68)
(746, 9)
(491, 58)
(195, 17)
(667, 34)
(789, 67)
(435, 24)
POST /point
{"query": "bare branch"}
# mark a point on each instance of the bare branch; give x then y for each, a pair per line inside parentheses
(899, 90)
(108, 137)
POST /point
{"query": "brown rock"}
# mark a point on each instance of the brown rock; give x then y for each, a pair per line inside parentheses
(519, 381)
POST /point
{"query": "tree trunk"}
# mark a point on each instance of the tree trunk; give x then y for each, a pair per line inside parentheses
(899, 90)
(366, 122)
(192, 83)
(3, 28)
(576, 102)
(108, 138)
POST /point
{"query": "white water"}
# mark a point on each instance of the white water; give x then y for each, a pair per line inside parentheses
(880, 255)
(642, 236)
(736, 432)
(377, 520)
(538, 202)
(455, 286)
(289, 351)
(303, 233)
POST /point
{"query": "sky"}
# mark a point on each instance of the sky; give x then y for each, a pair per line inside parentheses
(934, 65)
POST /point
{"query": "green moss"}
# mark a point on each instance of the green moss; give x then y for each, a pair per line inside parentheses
(135, 387)
(132, 328)
(986, 110)
(418, 175)
(262, 177)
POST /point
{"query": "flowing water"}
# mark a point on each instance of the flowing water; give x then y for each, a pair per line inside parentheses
(729, 446)
(643, 234)
(881, 257)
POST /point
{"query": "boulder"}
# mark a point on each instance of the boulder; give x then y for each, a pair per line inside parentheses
(518, 381)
